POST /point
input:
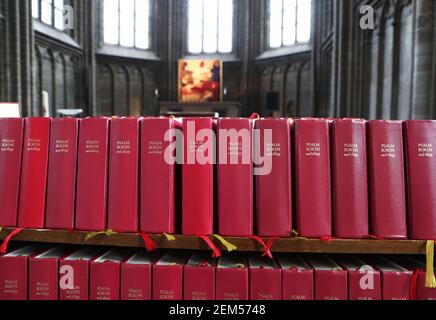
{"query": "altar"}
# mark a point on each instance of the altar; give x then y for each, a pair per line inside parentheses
(208, 109)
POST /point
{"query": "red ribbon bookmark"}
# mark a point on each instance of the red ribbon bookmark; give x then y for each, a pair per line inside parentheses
(269, 245)
(414, 286)
(211, 245)
(267, 250)
(255, 116)
(327, 240)
(148, 242)
(4, 246)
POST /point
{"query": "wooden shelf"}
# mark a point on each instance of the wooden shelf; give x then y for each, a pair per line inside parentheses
(243, 244)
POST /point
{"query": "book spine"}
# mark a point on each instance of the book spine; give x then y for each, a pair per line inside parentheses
(387, 180)
(396, 285)
(61, 185)
(92, 175)
(43, 279)
(199, 284)
(14, 278)
(265, 284)
(123, 175)
(357, 292)
(331, 285)
(421, 169)
(273, 190)
(11, 147)
(80, 290)
(157, 204)
(198, 177)
(313, 178)
(235, 178)
(136, 282)
(232, 285)
(104, 283)
(298, 285)
(350, 179)
(168, 283)
(425, 294)
(34, 173)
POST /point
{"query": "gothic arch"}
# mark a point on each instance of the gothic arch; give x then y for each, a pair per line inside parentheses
(304, 89)
(105, 90)
(60, 82)
(48, 80)
(136, 92)
(150, 85)
(121, 89)
(290, 89)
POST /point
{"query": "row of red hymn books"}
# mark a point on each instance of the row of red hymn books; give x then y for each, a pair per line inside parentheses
(88, 274)
(344, 178)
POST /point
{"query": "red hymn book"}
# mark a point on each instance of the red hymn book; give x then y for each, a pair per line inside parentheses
(92, 175)
(235, 178)
(157, 204)
(123, 175)
(350, 179)
(274, 190)
(421, 170)
(34, 173)
(61, 187)
(11, 146)
(313, 178)
(387, 180)
(198, 178)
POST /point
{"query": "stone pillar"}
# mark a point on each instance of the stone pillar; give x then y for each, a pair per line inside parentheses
(91, 41)
(14, 52)
(423, 60)
(26, 32)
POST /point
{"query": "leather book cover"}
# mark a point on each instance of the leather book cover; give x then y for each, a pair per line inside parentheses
(388, 214)
(232, 276)
(11, 148)
(274, 190)
(199, 278)
(235, 178)
(421, 173)
(198, 177)
(158, 190)
(350, 179)
(92, 172)
(62, 173)
(123, 203)
(313, 178)
(33, 189)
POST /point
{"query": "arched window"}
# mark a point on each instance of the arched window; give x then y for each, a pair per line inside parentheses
(50, 12)
(289, 22)
(210, 26)
(127, 23)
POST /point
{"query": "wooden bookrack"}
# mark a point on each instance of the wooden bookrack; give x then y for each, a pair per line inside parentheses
(243, 244)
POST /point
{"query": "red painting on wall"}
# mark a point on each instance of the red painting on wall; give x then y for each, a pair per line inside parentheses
(200, 81)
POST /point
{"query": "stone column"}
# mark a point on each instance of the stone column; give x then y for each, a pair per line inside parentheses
(423, 59)
(26, 40)
(90, 43)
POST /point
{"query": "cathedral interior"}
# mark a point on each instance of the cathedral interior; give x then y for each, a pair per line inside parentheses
(286, 58)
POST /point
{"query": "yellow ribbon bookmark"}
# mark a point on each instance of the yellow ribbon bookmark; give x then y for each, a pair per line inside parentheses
(296, 235)
(91, 235)
(229, 246)
(169, 237)
(430, 280)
